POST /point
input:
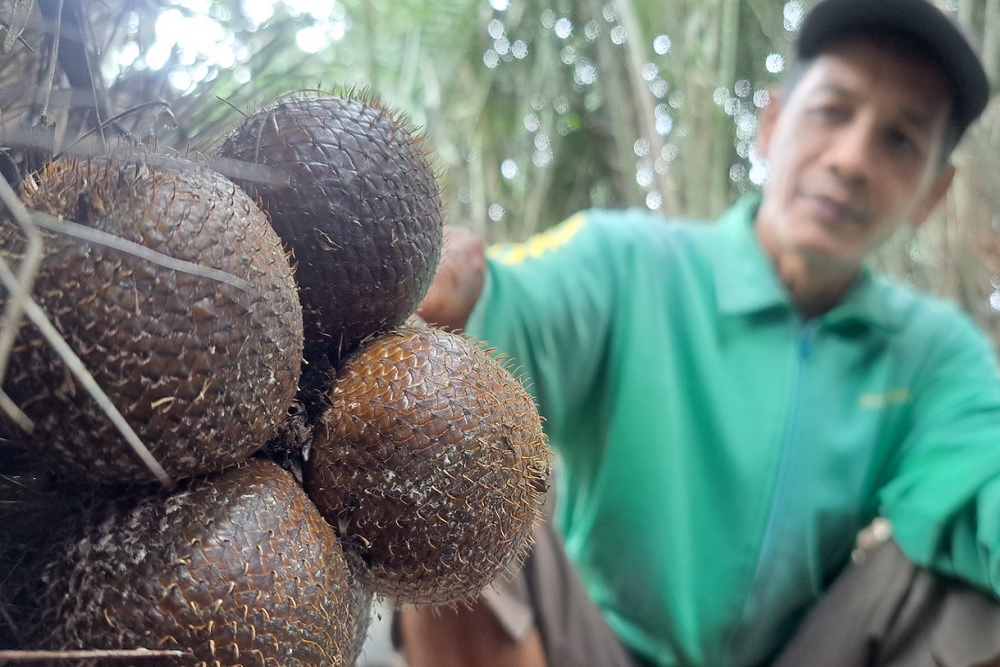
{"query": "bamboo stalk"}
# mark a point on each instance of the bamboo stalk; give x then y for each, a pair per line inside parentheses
(622, 125)
(729, 32)
(644, 100)
(991, 40)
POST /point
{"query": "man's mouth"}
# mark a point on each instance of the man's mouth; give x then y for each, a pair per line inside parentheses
(834, 211)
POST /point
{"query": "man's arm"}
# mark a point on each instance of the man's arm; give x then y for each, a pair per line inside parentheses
(943, 498)
(545, 304)
(458, 281)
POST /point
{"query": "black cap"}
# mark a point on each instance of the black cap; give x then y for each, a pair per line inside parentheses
(929, 28)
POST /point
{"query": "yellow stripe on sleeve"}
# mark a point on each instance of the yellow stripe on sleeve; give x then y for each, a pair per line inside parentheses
(538, 244)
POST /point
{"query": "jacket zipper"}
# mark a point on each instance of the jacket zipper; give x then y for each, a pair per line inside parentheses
(804, 342)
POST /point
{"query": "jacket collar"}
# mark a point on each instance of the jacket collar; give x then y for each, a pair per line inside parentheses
(746, 282)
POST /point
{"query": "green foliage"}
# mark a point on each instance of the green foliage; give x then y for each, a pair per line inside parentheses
(534, 109)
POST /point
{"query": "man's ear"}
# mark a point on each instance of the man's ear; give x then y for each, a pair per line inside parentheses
(767, 122)
(934, 196)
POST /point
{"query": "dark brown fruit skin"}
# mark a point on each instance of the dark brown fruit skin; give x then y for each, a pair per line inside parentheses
(202, 370)
(360, 208)
(32, 514)
(238, 569)
(431, 463)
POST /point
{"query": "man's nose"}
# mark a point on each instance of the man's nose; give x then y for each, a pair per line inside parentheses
(851, 154)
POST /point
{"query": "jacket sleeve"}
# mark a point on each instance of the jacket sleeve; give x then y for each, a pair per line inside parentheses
(547, 305)
(944, 498)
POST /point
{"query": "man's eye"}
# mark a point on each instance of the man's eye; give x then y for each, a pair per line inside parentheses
(830, 112)
(900, 140)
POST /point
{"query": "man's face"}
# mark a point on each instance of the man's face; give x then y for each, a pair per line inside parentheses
(853, 153)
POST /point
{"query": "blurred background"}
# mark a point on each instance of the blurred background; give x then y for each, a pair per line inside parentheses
(533, 109)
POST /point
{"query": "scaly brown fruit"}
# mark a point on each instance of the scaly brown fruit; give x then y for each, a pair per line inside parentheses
(431, 463)
(237, 568)
(202, 367)
(357, 203)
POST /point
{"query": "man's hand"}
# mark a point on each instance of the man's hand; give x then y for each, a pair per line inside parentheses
(458, 281)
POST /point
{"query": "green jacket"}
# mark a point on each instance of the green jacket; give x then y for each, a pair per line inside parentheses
(717, 454)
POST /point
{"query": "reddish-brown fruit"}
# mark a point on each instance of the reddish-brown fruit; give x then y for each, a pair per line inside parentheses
(236, 569)
(431, 463)
(358, 204)
(202, 367)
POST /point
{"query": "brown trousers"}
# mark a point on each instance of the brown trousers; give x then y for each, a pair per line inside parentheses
(882, 612)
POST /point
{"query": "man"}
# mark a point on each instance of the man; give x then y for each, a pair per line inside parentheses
(731, 403)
